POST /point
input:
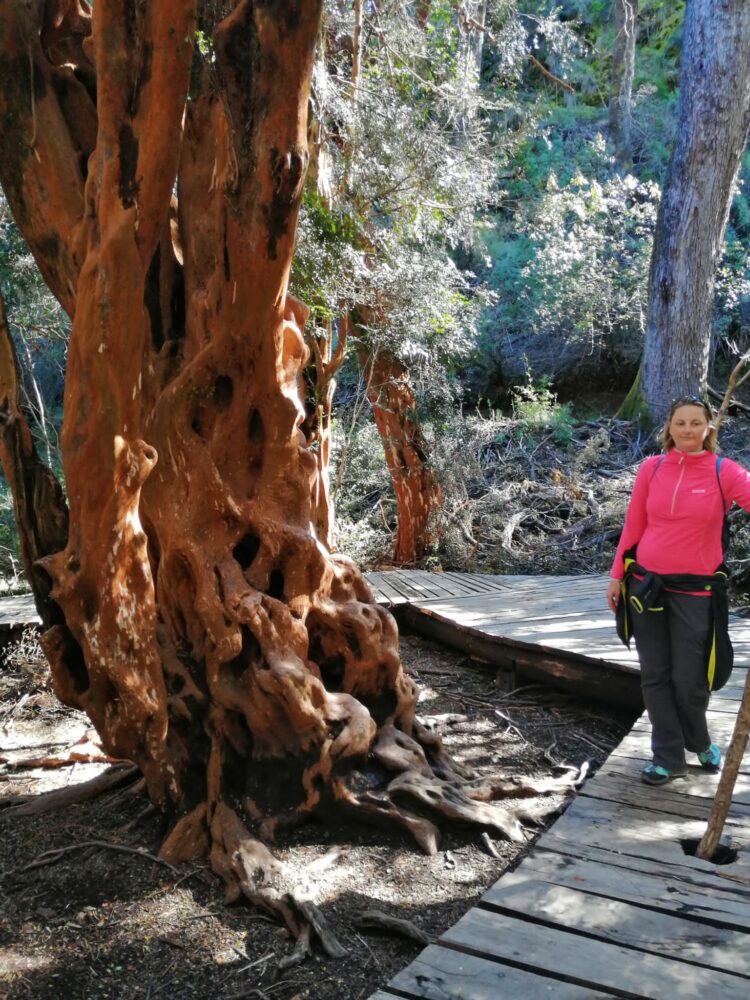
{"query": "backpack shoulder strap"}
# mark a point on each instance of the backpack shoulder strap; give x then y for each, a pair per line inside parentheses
(657, 464)
(718, 480)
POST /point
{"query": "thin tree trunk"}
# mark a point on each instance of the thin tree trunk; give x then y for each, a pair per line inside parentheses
(624, 16)
(356, 49)
(424, 8)
(733, 760)
(326, 362)
(712, 130)
(417, 493)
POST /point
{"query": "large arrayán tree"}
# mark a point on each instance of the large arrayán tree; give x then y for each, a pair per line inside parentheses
(189, 608)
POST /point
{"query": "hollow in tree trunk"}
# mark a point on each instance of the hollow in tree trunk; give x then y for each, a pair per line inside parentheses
(192, 613)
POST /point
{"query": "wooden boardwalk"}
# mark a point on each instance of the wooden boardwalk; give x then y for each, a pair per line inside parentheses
(17, 610)
(607, 903)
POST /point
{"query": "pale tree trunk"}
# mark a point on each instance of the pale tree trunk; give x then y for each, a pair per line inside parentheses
(624, 17)
(194, 616)
(712, 129)
(417, 492)
(473, 15)
(732, 763)
(327, 360)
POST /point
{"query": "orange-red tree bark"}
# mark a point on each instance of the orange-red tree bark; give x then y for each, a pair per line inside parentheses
(190, 610)
(394, 409)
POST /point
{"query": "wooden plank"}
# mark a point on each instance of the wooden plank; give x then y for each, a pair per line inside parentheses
(698, 782)
(590, 962)
(442, 973)
(412, 587)
(18, 610)
(384, 592)
(587, 648)
(483, 582)
(642, 833)
(680, 893)
(613, 683)
(675, 797)
(682, 872)
(436, 582)
(610, 918)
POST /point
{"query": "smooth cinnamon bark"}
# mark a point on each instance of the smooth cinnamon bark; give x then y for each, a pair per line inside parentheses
(417, 492)
(204, 629)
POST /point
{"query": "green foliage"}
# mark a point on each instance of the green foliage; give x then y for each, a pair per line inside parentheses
(536, 411)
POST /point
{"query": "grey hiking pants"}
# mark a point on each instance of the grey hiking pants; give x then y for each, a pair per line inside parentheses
(671, 650)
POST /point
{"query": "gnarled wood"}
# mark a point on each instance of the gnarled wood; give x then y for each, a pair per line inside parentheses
(204, 629)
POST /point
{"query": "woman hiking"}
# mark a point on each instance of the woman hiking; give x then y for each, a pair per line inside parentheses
(668, 584)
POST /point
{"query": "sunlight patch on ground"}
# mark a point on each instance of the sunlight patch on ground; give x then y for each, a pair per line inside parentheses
(13, 963)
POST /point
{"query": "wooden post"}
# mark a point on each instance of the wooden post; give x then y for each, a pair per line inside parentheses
(718, 815)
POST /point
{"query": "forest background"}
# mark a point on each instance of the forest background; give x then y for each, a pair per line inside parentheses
(472, 240)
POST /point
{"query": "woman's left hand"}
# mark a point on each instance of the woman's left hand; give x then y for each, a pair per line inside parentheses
(613, 595)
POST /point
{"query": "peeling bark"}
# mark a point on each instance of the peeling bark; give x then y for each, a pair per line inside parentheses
(417, 493)
(195, 617)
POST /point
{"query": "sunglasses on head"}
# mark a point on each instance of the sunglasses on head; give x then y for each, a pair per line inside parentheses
(690, 401)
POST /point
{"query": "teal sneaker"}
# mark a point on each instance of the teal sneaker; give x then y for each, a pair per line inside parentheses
(655, 774)
(710, 759)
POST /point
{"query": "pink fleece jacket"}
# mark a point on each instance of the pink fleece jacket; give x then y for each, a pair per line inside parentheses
(674, 515)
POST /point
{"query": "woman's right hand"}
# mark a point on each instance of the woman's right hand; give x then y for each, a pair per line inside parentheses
(613, 595)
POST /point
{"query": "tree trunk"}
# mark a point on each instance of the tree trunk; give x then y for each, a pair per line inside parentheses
(406, 454)
(423, 12)
(723, 800)
(624, 14)
(714, 116)
(206, 633)
(326, 361)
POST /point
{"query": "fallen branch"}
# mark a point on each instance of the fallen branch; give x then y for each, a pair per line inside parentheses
(120, 774)
(53, 763)
(491, 849)
(52, 856)
(377, 920)
(550, 76)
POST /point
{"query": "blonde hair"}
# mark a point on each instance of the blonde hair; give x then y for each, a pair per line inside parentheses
(710, 442)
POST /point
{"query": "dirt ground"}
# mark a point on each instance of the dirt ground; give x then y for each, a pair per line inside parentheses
(103, 919)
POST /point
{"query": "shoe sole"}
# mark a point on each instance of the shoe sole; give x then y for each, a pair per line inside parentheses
(662, 780)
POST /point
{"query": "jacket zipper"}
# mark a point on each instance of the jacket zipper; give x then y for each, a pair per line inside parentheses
(674, 495)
